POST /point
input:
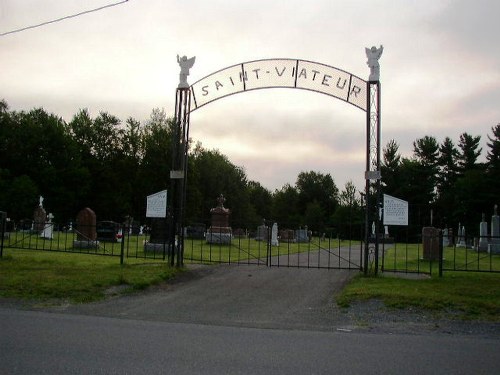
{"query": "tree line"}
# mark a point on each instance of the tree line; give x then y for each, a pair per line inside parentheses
(446, 178)
(111, 166)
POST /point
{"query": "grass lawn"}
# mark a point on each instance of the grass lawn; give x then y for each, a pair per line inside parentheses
(75, 277)
(471, 295)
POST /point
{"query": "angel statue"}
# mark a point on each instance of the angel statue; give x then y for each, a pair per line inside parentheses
(373, 55)
(185, 65)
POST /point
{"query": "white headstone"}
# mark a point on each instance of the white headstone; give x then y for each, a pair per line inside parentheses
(274, 235)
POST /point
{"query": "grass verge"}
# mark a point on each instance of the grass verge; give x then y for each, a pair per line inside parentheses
(45, 276)
(457, 294)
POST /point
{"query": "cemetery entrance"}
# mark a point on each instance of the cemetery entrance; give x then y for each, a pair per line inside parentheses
(303, 249)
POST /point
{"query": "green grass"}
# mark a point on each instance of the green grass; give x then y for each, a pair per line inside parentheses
(250, 250)
(44, 276)
(408, 257)
(460, 295)
(240, 250)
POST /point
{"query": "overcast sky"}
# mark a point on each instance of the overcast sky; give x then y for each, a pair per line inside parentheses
(440, 71)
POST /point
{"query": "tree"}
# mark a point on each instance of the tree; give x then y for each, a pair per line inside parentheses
(469, 152)
(390, 168)
(261, 199)
(286, 208)
(213, 175)
(447, 178)
(426, 155)
(39, 146)
(493, 165)
(348, 216)
(317, 186)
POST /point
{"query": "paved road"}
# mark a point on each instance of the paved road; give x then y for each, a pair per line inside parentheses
(53, 343)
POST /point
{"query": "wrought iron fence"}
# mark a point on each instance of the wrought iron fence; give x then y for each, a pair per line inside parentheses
(403, 250)
(116, 240)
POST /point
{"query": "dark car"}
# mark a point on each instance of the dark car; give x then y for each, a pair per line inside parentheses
(108, 231)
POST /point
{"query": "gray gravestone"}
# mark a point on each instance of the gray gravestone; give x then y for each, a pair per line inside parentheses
(274, 235)
(483, 235)
(262, 233)
(461, 236)
(494, 246)
(301, 235)
(48, 230)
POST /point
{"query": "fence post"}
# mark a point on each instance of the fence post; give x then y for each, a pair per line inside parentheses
(3, 218)
(441, 253)
(122, 250)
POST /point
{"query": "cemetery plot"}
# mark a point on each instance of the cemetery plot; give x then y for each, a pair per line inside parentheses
(318, 253)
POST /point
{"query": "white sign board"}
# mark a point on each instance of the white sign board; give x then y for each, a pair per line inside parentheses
(292, 73)
(157, 204)
(395, 211)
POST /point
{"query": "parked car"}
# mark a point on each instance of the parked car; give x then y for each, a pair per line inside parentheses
(108, 231)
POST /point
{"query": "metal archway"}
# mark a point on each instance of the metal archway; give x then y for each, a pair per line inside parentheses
(279, 73)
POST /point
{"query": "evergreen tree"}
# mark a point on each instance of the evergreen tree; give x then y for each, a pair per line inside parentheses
(426, 151)
(493, 165)
(469, 152)
(390, 169)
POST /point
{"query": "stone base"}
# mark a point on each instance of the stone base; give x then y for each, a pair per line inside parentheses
(157, 248)
(482, 247)
(78, 244)
(494, 248)
(219, 238)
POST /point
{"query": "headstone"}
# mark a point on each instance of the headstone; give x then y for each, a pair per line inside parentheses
(461, 236)
(430, 243)
(219, 232)
(3, 225)
(262, 233)
(39, 219)
(483, 235)
(48, 230)
(494, 245)
(107, 231)
(239, 233)
(159, 237)
(86, 235)
(274, 235)
(195, 231)
(287, 235)
(301, 235)
(447, 234)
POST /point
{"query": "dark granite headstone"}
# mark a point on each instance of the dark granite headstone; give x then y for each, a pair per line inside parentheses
(220, 232)
(160, 231)
(86, 225)
(39, 219)
(430, 243)
(287, 235)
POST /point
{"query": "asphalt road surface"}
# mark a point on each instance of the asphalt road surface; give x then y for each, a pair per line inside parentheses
(53, 343)
(232, 320)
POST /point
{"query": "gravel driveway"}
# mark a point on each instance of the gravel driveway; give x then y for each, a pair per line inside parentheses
(275, 298)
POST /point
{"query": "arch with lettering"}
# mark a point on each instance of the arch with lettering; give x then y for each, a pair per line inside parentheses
(277, 73)
(280, 73)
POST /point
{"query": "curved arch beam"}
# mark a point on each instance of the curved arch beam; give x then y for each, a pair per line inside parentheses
(280, 73)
